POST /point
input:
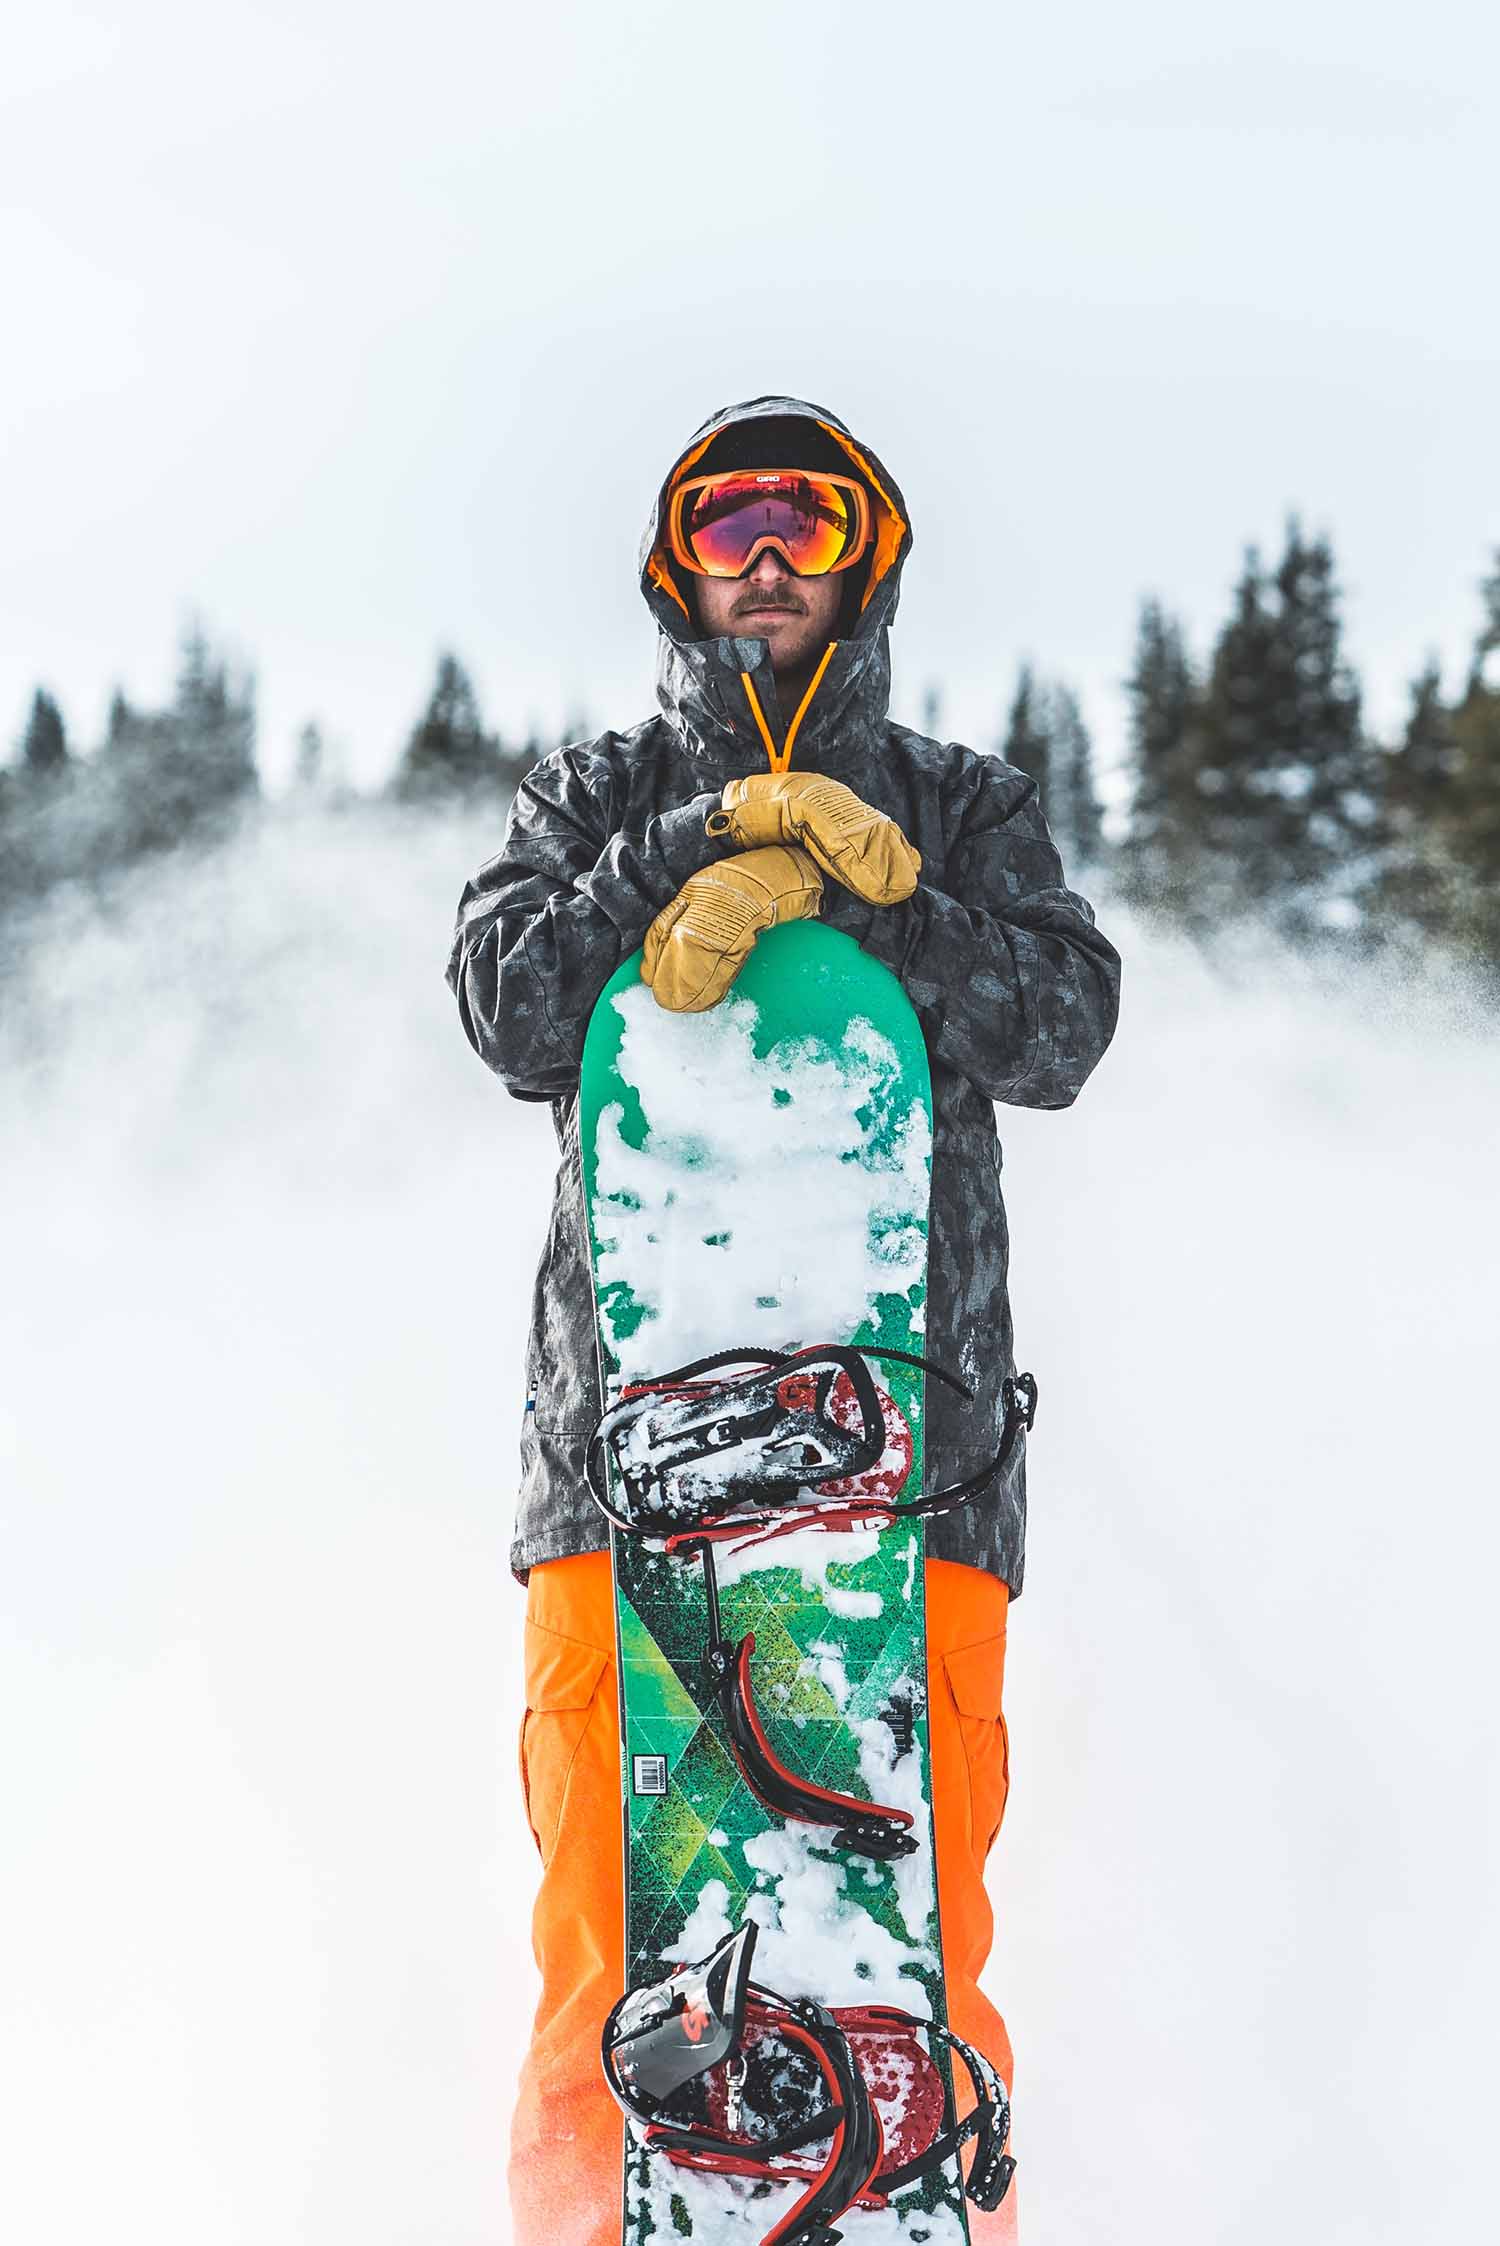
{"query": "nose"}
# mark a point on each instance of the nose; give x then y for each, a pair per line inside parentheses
(767, 567)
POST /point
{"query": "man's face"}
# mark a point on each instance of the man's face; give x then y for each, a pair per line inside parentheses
(794, 614)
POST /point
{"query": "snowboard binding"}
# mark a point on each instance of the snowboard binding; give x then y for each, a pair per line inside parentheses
(725, 2076)
(794, 1439)
(802, 1439)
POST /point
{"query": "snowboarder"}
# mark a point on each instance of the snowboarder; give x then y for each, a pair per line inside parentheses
(773, 786)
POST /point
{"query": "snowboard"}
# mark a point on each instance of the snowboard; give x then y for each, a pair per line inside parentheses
(756, 1179)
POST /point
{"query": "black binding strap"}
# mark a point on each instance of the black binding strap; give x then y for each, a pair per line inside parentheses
(988, 2122)
(864, 1828)
(1020, 1417)
(819, 2124)
(854, 2153)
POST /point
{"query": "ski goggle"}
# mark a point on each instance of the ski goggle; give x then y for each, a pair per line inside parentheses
(718, 525)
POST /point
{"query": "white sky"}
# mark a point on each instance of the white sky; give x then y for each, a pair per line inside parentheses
(365, 335)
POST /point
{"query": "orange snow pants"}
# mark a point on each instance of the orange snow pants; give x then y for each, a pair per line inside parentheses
(567, 2139)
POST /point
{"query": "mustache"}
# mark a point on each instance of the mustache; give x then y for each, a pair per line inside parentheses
(752, 600)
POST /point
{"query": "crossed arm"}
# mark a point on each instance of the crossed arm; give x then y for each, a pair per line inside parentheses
(1014, 985)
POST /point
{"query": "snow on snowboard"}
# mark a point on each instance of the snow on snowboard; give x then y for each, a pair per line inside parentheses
(756, 1178)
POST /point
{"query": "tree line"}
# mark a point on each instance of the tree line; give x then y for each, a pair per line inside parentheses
(182, 776)
(159, 778)
(1257, 790)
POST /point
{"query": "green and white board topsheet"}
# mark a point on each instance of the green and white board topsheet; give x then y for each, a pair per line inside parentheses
(757, 1176)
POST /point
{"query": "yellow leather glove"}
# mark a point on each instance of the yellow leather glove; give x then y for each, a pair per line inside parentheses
(697, 945)
(859, 846)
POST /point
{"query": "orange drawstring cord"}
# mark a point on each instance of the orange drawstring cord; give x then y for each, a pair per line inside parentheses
(759, 716)
(780, 759)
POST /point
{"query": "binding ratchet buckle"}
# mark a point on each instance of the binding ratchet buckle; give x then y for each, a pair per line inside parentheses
(723, 2075)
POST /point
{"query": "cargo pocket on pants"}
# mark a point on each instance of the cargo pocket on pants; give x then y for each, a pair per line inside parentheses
(976, 1679)
(562, 1678)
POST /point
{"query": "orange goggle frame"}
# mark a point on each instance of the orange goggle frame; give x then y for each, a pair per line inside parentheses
(717, 526)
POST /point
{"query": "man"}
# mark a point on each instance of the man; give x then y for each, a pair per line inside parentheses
(680, 836)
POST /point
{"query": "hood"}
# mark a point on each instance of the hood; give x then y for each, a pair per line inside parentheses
(712, 689)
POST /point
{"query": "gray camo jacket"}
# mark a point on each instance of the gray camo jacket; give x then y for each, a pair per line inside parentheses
(1016, 989)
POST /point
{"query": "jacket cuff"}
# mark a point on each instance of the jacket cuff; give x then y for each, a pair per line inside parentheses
(681, 843)
(886, 932)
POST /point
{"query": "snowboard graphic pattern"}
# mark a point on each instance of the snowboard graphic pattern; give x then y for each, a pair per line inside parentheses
(757, 1177)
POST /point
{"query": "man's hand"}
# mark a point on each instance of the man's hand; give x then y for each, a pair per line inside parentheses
(859, 846)
(698, 944)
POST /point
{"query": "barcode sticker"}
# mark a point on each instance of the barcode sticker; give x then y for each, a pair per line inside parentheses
(648, 1774)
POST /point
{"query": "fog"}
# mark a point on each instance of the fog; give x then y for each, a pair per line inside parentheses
(269, 1236)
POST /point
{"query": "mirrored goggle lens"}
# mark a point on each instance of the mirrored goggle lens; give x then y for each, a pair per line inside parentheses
(815, 519)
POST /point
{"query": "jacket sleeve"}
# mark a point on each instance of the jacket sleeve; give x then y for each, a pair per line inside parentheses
(1013, 983)
(543, 926)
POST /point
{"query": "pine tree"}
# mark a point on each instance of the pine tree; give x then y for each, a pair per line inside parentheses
(1472, 827)
(1327, 754)
(1047, 739)
(1474, 834)
(448, 753)
(1073, 810)
(1442, 802)
(1049, 742)
(42, 807)
(121, 719)
(514, 762)
(1026, 744)
(1164, 836)
(1161, 687)
(14, 868)
(1283, 772)
(44, 746)
(1231, 745)
(202, 697)
(1487, 643)
(1417, 879)
(179, 775)
(38, 806)
(307, 772)
(215, 723)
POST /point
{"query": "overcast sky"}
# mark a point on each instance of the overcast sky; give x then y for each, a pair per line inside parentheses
(366, 336)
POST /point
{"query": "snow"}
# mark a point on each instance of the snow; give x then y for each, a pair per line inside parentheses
(746, 2212)
(270, 1232)
(726, 1129)
(706, 1926)
(812, 1552)
(896, 1782)
(853, 1606)
(810, 1942)
(828, 1661)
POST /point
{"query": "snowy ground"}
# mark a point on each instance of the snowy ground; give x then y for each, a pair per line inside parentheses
(269, 1232)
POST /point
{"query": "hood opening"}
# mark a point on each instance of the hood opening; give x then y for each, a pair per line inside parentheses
(888, 526)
